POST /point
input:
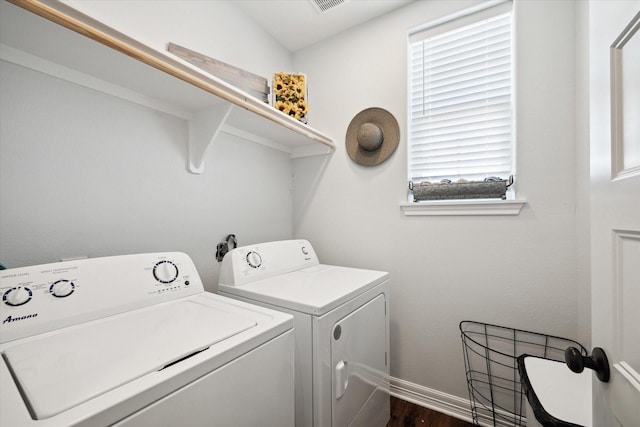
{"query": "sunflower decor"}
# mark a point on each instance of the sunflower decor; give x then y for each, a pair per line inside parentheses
(290, 95)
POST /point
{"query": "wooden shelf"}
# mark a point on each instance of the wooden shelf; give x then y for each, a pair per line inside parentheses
(59, 40)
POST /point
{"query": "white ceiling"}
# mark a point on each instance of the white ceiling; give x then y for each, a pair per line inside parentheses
(298, 23)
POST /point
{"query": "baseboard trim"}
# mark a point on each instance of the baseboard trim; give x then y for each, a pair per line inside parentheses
(445, 403)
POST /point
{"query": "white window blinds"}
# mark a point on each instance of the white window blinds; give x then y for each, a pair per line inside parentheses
(460, 97)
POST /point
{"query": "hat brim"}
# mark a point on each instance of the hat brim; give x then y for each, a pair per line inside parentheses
(390, 131)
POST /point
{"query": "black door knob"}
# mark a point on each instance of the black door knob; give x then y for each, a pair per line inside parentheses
(597, 361)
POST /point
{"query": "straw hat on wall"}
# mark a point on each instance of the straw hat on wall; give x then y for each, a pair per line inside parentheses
(372, 136)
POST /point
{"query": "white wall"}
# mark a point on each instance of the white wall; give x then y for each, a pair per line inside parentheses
(87, 174)
(518, 271)
(215, 28)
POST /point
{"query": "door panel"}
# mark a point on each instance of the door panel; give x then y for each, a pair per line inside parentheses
(358, 357)
(614, 68)
(625, 390)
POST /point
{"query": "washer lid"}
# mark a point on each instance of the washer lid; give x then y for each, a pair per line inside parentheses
(65, 369)
(315, 290)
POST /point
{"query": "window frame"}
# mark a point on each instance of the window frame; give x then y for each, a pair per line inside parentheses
(511, 206)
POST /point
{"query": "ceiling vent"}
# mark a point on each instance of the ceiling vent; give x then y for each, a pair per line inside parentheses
(324, 5)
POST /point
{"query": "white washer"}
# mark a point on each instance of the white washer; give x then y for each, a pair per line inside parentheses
(341, 320)
(136, 341)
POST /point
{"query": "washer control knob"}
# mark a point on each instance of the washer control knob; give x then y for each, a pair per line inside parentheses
(62, 288)
(17, 296)
(165, 271)
(254, 259)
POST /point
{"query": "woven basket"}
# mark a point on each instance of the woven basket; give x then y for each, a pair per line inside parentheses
(495, 189)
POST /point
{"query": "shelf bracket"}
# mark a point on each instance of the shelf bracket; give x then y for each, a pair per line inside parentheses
(203, 130)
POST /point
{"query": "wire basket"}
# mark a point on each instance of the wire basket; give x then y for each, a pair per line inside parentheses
(490, 354)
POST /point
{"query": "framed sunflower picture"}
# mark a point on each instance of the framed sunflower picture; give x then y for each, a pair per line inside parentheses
(290, 95)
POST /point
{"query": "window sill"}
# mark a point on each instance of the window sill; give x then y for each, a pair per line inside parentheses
(463, 207)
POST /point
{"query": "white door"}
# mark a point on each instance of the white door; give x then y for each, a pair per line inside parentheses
(614, 66)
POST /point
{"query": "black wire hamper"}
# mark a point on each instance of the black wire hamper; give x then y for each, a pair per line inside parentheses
(490, 353)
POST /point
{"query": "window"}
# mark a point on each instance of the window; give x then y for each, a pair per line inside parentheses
(460, 97)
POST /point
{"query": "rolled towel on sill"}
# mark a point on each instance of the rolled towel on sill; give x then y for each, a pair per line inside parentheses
(488, 189)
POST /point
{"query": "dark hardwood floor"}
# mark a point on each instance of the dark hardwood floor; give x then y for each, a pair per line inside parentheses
(405, 414)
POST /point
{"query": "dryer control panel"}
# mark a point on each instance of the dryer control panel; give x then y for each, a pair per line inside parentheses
(46, 297)
(247, 264)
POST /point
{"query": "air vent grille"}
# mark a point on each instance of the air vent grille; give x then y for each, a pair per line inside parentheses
(324, 5)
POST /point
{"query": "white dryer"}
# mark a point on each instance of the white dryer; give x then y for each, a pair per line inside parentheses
(341, 325)
(136, 341)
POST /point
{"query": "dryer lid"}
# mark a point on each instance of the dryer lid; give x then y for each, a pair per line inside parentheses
(65, 369)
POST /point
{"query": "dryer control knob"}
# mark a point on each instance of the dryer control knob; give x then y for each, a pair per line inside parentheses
(254, 259)
(17, 296)
(62, 288)
(165, 271)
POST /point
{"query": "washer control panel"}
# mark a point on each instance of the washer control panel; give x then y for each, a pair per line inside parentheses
(247, 264)
(45, 297)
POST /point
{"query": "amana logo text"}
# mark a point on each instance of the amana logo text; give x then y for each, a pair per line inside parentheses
(10, 319)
